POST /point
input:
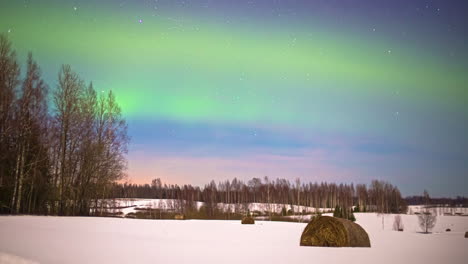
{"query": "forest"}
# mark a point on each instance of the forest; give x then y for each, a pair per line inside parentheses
(60, 148)
(379, 196)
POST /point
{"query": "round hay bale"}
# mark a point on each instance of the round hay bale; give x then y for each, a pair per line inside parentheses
(448, 230)
(326, 231)
(247, 220)
(179, 217)
(466, 234)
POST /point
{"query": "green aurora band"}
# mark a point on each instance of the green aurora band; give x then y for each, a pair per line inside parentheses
(216, 73)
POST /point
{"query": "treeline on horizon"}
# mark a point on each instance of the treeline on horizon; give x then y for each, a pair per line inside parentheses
(379, 196)
(58, 154)
(421, 199)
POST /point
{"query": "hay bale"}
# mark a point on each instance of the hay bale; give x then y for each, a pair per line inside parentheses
(179, 217)
(326, 231)
(466, 234)
(448, 230)
(247, 220)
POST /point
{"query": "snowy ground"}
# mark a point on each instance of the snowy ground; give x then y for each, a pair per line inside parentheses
(116, 240)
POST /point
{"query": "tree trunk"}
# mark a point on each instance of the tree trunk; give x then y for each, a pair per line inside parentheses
(20, 182)
(13, 201)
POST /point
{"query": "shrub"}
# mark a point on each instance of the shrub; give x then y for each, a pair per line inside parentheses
(284, 211)
(352, 217)
(356, 209)
(427, 221)
(337, 212)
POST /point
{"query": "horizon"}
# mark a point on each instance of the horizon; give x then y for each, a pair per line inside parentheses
(323, 91)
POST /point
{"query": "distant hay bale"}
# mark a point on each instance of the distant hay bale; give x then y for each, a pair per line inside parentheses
(247, 220)
(466, 234)
(179, 217)
(448, 230)
(326, 231)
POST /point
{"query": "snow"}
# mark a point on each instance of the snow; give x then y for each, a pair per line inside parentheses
(116, 240)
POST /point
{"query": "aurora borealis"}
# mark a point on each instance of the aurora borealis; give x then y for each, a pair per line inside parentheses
(331, 90)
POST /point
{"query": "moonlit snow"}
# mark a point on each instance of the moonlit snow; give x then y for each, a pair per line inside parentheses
(42, 239)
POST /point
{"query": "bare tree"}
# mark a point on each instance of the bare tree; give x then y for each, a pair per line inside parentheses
(66, 98)
(298, 189)
(427, 221)
(31, 112)
(9, 80)
(267, 182)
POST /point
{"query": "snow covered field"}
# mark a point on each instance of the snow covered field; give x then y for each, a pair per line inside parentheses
(116, 240)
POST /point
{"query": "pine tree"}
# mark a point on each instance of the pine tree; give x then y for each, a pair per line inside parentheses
(337, 212)
(352, 217)
(356, 209)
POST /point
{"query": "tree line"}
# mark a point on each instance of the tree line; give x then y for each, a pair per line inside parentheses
(61, 151)
(379, 196)
(453, 202)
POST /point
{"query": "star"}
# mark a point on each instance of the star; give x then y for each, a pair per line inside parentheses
(75, 8)
(140, 21)
(9, 30)
(389, 51)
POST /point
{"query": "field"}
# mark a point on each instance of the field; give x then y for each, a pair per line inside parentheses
(38, 239)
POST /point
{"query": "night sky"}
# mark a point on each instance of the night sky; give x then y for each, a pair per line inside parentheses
(331, 90)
